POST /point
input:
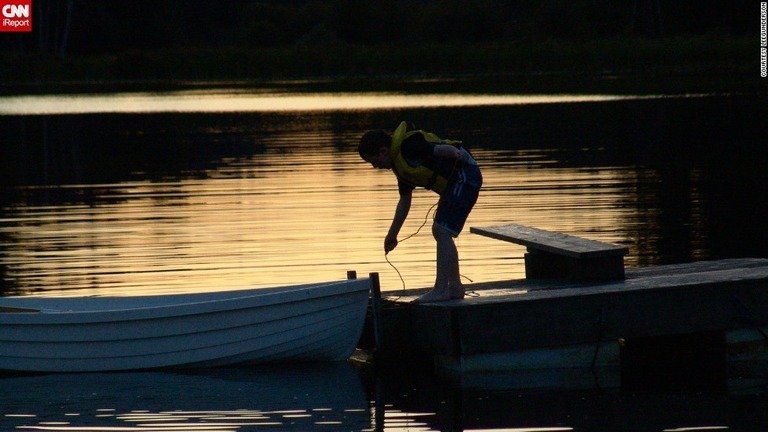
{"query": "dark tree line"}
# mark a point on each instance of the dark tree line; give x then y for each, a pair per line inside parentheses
(84, 27)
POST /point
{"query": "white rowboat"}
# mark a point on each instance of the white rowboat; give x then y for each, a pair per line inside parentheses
(320, 322)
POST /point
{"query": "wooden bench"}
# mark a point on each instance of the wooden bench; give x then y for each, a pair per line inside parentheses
(556, 255)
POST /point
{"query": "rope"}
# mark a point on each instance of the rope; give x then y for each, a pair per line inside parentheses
(398, 271)
(426, 218)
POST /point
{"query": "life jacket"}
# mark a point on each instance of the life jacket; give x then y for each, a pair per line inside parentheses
(416, 172)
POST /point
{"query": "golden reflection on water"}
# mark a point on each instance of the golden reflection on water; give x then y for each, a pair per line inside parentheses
(279, 217)
(233, 100)
(304, 208)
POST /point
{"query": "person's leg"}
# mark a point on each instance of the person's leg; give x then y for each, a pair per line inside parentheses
(447, 280)
(448, 262)
(450, 217)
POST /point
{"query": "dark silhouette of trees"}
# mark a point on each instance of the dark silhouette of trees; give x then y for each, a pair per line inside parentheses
(78, 27)
(54, 21)
(647, 17)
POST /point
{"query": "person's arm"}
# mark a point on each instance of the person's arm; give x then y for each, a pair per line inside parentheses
(401, 212)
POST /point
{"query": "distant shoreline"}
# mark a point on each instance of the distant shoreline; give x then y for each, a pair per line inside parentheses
(708, 63)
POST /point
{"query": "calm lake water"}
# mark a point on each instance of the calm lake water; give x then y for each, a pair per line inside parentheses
(153, 193)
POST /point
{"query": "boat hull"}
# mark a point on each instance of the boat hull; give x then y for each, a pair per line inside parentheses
(301, 323)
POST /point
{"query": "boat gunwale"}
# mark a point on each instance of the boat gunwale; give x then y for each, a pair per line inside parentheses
(219, 303)
(160, 327)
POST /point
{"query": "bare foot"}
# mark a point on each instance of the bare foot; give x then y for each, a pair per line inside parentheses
(435, 295)
(451, 292)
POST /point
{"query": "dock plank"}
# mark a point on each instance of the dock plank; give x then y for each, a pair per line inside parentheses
(496, 291)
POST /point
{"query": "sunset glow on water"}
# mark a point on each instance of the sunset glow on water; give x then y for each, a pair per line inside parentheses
(228, 101)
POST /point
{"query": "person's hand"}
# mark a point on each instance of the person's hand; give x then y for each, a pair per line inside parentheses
(390, 242)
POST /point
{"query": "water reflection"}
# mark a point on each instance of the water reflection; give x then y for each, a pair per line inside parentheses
(280, 217)
(234, 100)
(142, 204)
(341, 396)
(264, 398)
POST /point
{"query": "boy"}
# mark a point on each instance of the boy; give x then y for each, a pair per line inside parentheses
(421, 159)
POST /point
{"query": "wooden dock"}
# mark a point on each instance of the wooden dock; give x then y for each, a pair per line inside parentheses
(633, 319)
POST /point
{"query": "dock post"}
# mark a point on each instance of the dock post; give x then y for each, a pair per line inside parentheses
(376, 305)
(351, 274)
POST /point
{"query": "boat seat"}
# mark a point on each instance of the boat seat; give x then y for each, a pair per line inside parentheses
(561, 256)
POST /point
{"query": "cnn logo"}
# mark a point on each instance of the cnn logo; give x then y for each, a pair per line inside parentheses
(16, 15)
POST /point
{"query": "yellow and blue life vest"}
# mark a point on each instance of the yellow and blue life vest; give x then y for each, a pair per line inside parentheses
(415, 172)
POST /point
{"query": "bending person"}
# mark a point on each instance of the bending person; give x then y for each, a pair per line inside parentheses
(421, 159)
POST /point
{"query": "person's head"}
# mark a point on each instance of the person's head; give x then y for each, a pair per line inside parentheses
(374, 148)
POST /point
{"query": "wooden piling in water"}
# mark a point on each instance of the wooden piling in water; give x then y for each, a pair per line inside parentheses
(376, 310)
